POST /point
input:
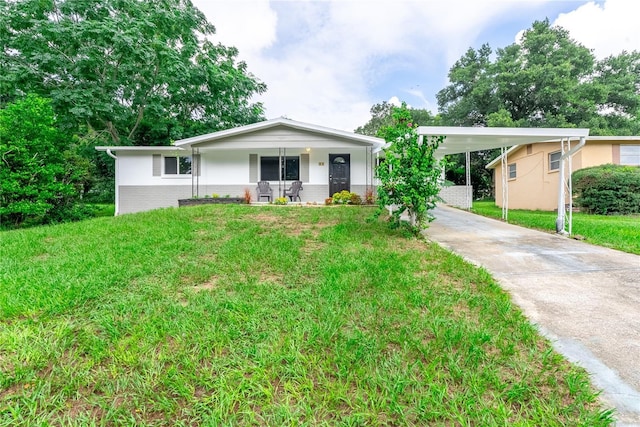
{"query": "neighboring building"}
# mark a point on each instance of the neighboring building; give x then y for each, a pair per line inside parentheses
(533, 169)
(227, 162)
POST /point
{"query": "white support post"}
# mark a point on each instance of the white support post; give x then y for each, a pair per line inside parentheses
(570, 187)
(468, 178)
(505, 184)
(560, 226)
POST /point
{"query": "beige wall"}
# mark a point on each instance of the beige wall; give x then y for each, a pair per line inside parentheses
(535, 186)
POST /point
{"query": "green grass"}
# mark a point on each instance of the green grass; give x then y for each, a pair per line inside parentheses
(103, 209)
(242, 315)
(612, 231)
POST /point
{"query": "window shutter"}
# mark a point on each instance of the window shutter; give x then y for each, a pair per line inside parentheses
(304, 167)
(196, 164)
(157, 165)
(253, 168)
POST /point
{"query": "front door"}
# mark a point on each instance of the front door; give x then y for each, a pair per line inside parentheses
(339, 173)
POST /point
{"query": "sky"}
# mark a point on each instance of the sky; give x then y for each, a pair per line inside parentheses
(328, 62)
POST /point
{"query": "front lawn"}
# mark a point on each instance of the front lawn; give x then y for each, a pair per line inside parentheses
(245, 315)
(612, 231)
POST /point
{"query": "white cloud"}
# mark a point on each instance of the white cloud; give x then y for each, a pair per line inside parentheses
(607, 28)
(321, 60)
(394, 100)
(249, 25)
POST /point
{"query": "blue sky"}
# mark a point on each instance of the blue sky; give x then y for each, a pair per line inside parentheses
(327, 62)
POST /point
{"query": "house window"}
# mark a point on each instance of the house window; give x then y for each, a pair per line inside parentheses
(630, 155)
(290, 169)
(177, 165)
(512, 171)
(554, 161)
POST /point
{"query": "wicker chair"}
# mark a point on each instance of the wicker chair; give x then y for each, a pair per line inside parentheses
(293, 192)
(264, 190)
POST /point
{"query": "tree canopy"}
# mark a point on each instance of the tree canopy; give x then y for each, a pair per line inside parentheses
(547, 79)
(140, 72)
(382, 116)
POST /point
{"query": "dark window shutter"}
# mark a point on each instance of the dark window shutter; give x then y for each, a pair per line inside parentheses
(253, 168)
(157, 165)
(304, 167)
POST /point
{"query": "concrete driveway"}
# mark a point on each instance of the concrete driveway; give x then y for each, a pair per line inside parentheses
(584, 298)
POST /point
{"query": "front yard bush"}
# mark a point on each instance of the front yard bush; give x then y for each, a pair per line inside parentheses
(608, 189)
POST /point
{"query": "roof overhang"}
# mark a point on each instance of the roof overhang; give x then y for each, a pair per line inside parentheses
(463, 139)
(137, 148)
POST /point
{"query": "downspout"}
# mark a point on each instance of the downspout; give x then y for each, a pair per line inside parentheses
(117, 180)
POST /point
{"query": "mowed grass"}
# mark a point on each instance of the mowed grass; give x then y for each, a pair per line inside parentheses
(612, 231)
(241, 315)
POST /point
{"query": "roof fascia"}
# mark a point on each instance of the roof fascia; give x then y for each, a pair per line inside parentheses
(138, 148)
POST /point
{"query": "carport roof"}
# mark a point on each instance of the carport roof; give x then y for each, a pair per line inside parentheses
(463, 139)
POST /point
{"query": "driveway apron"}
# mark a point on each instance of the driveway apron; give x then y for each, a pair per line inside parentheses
(584, 298)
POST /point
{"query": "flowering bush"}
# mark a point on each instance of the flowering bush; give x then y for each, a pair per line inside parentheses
(409, 178)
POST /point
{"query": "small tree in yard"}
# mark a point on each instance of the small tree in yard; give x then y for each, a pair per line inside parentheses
(410, 175)
(40, 178)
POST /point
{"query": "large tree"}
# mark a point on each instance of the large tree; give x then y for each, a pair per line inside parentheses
(140, 72)
(469, 98)
(546, 79)
(382, 116)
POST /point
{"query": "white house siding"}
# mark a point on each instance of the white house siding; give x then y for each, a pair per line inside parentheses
(226, 172)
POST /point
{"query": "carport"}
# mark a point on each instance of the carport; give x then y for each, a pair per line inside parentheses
(467, 139)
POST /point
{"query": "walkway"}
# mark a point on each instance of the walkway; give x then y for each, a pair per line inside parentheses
(584, 298)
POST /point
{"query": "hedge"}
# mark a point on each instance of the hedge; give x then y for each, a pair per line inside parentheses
(607, 189)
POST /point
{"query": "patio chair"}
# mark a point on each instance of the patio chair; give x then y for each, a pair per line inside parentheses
(293, 192)
(264, 190)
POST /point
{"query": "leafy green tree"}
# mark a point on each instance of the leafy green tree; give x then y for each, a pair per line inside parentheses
(409, 176)
(41, 179)
(139, 72)
(547, 79)
(469, 98)
(543, 80)
(382, 116)
(618, 78)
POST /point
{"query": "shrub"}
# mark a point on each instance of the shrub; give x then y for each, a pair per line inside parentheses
(41, 174)
(280, 201)
(355, 199)
(369, 197)
(608, 189)
(247, 195)
(342, 198)
(328, 201)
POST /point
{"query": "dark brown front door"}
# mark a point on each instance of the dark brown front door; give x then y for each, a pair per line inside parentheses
(339, 173)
